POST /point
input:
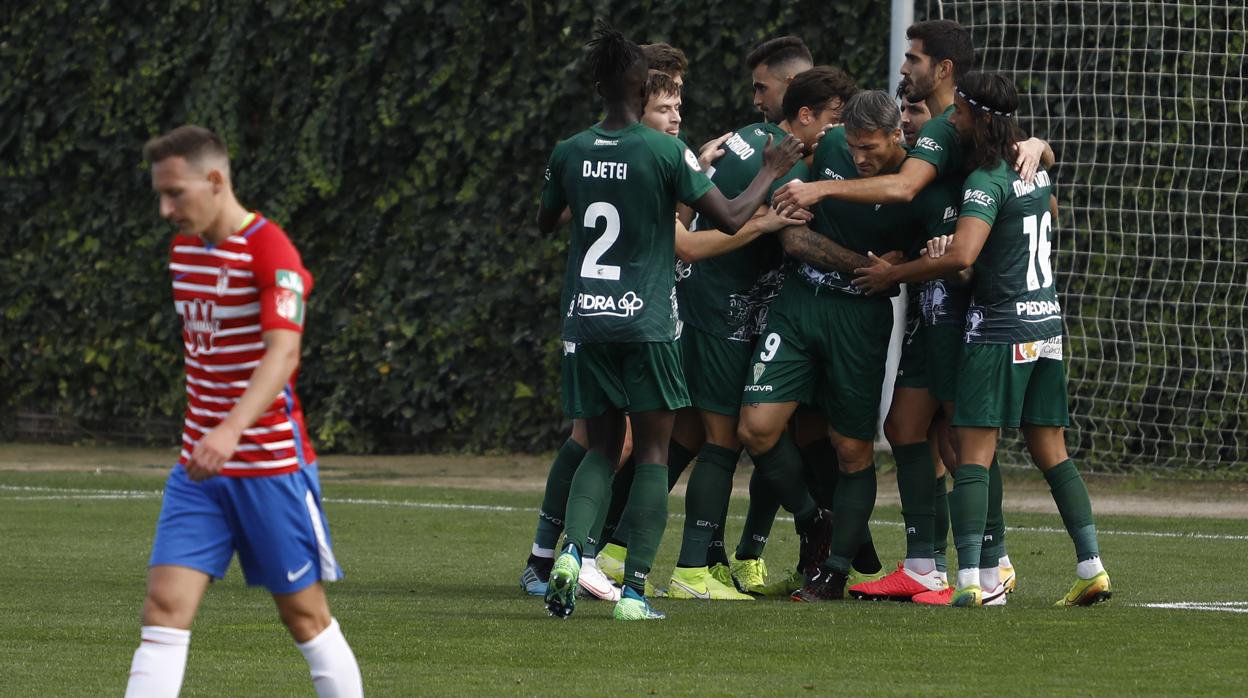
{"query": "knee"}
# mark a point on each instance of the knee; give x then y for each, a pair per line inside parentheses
(304, 624)
(854, 455)
(756, 438)
(166, 611)
(894, 432)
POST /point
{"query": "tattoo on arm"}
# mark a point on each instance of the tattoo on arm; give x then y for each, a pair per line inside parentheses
(820, 252)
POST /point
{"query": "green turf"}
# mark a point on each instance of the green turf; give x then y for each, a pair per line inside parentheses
(431, 605)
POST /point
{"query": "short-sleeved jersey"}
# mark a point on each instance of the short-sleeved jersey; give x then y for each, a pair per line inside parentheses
(940, 302)
(1013, 296)
(862, 228)
(622, 187)
(227, 296)
(938, 144)
(727, 296)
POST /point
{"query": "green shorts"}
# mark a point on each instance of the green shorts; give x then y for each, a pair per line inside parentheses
(912, 367)
(715, 370)
(1007, 385)
(824, 348)
(632, 376)
(943, 351)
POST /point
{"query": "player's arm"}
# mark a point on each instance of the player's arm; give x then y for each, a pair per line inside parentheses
(281, 357)
(549, 219)
(702, 244)
(728, 215)
(820, 252)
(897, 188)
(964, 248)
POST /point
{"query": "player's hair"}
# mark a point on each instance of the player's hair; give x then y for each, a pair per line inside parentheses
(871, 111)
(994, 129)
(817, 88)
(610, 53)
(781, 49)
(665, 58)
(660, 83)
(190, 142)
(945, 39)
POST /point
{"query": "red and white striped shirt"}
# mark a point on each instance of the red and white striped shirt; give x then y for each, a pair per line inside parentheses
(227, 295)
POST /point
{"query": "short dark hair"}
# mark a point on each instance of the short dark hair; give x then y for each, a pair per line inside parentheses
(665, 58)
(610, 53)
(945, 39)
(660, 83)
(994, 128)
(816, 88)
(871, 111)
(779, 50)
(189, 141)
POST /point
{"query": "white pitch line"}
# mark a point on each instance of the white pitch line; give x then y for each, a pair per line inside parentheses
(1222, 606)
(407, 504)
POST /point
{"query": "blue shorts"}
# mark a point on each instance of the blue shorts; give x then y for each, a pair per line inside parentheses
(274, 522)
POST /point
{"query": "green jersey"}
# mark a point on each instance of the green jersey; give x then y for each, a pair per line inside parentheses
(622, 187)
(727, 296)
(940, 302)
(1013, 297)
(861, 228)
(939, 146)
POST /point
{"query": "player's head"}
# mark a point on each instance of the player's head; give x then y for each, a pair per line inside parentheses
(873, 132)
(772, 65)
(668, 60)
(913, 115)
(191, 176)
(814, 99)
(662, 111)
(618, 67)
(984, 107)
(940, 52)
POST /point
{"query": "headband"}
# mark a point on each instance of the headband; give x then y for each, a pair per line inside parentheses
(981, 107)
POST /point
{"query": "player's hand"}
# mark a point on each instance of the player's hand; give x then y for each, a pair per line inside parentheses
(1028, 157)
(793, 196)
(825, 129)
(712, 150)
(876, 278)
(894, 256)
(937, 246)
(771, 221)
(211, 452)
(781, 157)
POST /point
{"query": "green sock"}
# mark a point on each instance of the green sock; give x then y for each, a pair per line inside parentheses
(555, 500)
(851, 510)
(716, 554)
(647, 517)
(620, 485)
(867, 560)
(678, 458)
(968, 508)
(1073, 503)
(918, 498)
(820, 470)
(994, 524)
(595, 540)
(706, 497)
(782, 467)
(591, 489)
(761, 514)
(940, 541)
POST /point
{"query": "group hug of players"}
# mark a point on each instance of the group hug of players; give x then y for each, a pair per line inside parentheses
(772, 334)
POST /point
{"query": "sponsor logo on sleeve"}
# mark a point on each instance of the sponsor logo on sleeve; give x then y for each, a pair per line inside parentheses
(291, 280)
(692, 161)
(290, 295)
(951, 213)
(978, 197)
(929, 143)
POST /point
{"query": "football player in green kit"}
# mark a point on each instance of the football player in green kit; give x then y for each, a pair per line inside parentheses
(622, 181)
(1012, 369)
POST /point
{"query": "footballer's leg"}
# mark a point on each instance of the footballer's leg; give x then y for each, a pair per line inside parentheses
(940, 541)
(550, 517)
(305, 613)
(173, 596)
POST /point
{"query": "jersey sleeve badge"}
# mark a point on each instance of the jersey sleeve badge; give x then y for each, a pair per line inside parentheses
(290, 295)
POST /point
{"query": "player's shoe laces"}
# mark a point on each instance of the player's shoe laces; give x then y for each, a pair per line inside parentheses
(632, 606)
(825, 585)
(698, 583)
(536, 575)
(1009, 579)
(901, 585)
(967, 597)
(723, 574)
(593, 582)
(749, 575)
(611, 562)
(1086, 592)
(814, 542)
(934, 598)
(561, 591)
(996, 595)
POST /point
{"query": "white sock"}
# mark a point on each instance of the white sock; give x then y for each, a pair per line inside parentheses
(589, 563)
(989, 578)
(920, 565)
(968, 578)
(543, 552)
(335, 673)
(1088, 569)
(1004, 561)
(159, 663)
(944, 577)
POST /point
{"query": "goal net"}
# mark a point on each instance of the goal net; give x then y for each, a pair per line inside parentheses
(1143, 103)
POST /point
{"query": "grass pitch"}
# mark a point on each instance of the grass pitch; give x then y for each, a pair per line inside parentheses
(431, 606)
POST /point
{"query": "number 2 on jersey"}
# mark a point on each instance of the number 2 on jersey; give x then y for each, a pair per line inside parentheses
(1036, 228)
(590, 268)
